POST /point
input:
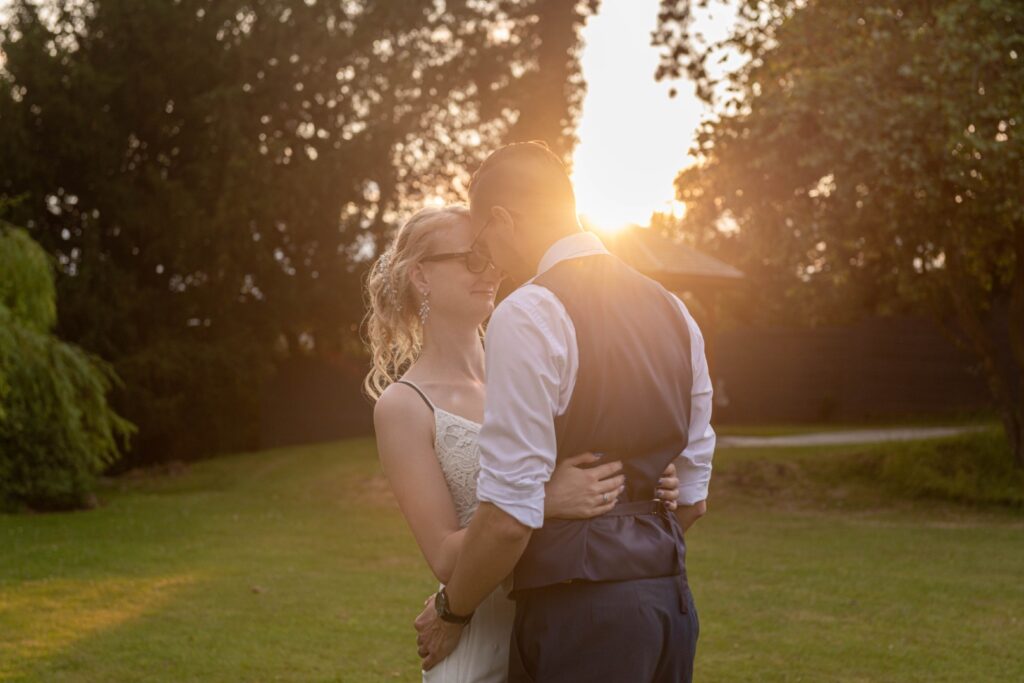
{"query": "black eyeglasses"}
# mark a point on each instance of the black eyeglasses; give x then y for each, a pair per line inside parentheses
(474, 261)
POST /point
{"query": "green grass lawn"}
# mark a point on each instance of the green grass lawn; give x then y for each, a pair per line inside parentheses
(293, 565)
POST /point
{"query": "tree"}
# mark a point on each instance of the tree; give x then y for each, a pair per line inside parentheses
(867, 156)
(212, 176)
(550, 96)
(56, 430)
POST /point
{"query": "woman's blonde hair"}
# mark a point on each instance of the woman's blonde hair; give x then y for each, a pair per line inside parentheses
(392, 324)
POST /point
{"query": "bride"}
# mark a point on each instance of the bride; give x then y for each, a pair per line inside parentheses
(428, 296)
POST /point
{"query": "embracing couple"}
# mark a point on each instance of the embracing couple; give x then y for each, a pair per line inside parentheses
(550, 499)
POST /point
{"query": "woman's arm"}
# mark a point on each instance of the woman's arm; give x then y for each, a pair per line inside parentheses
(405, 436)
(575, 492)
(579, 492)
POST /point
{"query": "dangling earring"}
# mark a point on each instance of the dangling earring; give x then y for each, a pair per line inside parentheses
(424, 309)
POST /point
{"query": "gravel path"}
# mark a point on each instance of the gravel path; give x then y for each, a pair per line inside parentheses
(847, 437)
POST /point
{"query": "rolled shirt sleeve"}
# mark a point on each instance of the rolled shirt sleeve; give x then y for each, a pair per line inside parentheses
(527, 366)
(532, 361)
(694, 463)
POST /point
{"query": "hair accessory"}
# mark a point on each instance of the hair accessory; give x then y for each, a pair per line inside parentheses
(383, 266)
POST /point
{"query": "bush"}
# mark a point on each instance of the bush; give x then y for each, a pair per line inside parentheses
(57, 431)
(974, 468)
(27, 288)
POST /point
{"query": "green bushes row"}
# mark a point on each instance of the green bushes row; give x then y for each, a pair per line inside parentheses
(972, 468)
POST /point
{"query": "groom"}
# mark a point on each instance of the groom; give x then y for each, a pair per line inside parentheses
(588, 355)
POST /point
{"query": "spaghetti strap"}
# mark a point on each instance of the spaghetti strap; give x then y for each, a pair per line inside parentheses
(418, 391)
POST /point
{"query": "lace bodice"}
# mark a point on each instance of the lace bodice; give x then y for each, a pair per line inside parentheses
(455, 442)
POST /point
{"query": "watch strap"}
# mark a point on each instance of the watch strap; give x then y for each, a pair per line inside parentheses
(443, 611)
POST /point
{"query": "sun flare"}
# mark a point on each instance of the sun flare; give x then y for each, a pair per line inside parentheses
(634, 138)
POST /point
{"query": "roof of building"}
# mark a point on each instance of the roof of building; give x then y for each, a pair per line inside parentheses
(675, 265)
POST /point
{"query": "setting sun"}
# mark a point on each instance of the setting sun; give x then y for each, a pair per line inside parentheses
(634, 139)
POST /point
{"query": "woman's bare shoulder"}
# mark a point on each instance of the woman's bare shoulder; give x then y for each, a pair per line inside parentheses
(400, 407)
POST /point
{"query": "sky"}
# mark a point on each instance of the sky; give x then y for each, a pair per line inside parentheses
(633, 138)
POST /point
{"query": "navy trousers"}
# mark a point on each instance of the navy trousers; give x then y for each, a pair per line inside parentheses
(620, 632)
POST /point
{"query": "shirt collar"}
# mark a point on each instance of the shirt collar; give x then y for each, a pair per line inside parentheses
(582, 243)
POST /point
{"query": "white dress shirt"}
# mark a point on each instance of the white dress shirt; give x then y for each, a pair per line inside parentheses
(532, 363)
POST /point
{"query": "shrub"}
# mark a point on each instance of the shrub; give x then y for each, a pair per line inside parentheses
(974, 468)
(57, 431)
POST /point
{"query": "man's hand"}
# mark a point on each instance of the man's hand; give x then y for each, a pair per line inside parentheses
(668, 488)
(436, 638)
(493, 544)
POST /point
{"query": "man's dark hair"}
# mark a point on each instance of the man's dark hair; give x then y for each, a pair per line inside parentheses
(526, 176)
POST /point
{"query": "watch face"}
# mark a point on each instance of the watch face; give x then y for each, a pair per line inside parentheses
(443, 611)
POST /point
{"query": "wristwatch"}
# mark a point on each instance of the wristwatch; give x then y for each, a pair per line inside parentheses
(441, 605)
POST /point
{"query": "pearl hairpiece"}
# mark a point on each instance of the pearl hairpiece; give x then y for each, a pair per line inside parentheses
(384, 267)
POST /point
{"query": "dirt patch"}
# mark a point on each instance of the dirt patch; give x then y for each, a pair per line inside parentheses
(174, 468)
(764, 479)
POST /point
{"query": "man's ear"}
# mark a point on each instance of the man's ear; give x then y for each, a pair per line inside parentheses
(503, 221)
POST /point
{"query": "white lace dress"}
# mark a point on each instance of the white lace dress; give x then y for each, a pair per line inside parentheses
(482, 653)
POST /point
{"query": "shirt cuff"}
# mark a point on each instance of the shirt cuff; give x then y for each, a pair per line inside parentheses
(693, 492)
(694, 480)
(525, 506)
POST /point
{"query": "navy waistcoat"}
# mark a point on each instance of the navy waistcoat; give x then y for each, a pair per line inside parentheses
(631, 402)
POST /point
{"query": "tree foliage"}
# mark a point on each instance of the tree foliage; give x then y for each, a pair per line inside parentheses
(211, 175)
(27, 290)
(57, 431)
(867, 156)
(551, 94)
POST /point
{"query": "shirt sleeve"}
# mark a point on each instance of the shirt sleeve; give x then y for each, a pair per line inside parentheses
(526, 354)
(694, 463)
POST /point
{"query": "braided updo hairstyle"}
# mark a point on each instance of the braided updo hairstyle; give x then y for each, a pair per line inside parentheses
(392, 326)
